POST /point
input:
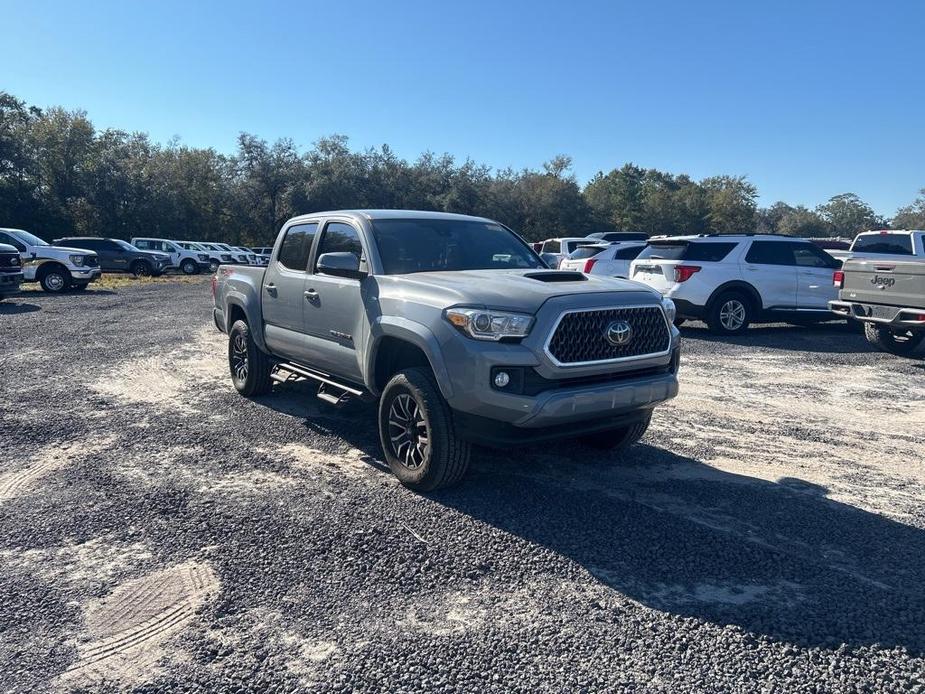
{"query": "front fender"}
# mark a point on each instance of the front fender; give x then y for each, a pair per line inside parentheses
(417, 334)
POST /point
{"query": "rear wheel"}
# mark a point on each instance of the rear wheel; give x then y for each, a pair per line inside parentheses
(250, 366)
(213, 265)
(730, 313)
(189, 267)
(619, 439)
(417, 433)
(899, 341)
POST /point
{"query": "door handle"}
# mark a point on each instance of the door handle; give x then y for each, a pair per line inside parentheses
(271, 288)
(311, 294)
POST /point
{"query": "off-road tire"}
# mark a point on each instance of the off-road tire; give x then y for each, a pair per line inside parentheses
(902, 343)
(736, 304)
(445, 457)
(254, 379)
(54, 280)
(189, 267)
(618, 439)
(141, 268)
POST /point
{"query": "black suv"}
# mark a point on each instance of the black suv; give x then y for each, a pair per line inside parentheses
(117, 255)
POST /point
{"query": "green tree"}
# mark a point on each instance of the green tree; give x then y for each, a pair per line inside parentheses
(731, 203)
(912, 216)
(848, 215)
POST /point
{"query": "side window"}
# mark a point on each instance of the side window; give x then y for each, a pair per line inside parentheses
(296, 246)
(708, 251)
(339, 238)
(15, 243)
(629, 253)
(144, 245)
(770, 253)
(807, 255)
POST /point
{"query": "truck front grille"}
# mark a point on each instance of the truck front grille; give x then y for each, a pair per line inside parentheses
(9, 262)
(582, 336)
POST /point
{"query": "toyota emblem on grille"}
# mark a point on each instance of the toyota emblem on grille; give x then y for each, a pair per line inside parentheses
(619, 333)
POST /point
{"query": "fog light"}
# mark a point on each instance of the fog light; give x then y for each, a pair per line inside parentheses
(502, 379)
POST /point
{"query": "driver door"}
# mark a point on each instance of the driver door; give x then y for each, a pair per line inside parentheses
(334, 308)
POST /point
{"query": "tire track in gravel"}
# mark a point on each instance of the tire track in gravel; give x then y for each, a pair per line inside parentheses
(48, 460)
(131, 627)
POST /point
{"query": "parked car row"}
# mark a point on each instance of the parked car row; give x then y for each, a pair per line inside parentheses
(73, 262)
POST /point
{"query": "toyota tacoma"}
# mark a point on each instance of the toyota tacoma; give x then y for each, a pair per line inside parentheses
(456, 328)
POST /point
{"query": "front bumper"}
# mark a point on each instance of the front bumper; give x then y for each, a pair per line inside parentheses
(85, 274)
(896, 316)
(9, 282)
(550, 395)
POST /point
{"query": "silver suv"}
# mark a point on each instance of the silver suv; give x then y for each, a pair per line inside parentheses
(733, 280)
(456, 327)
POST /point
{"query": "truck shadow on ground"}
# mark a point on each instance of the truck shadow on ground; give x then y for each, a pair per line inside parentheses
(833, 338)
(777, 559)
(13, 307)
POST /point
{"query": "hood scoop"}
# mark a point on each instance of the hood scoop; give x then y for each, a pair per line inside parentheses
(557, 276)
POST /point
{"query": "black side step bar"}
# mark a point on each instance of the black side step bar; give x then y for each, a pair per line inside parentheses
(329, 389)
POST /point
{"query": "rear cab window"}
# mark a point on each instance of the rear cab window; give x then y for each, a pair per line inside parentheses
(888, 244)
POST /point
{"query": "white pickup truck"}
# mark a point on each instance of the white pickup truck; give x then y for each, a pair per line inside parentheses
(56, 269)
(894, 244)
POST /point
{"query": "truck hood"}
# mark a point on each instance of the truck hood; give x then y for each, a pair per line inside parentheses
(515, 290)
(60, 251)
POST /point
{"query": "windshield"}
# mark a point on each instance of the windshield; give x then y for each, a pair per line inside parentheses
(434, 245)
(124, 244)
(27, 238)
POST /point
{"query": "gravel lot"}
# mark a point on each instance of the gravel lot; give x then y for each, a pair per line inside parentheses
(160, 533)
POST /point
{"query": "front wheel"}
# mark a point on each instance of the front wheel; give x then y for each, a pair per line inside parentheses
(417, 434)
(730, 314)
(141, 269)
(189, 267)
(213, 265)
(899, 341)
(55, 280)
(249, 365)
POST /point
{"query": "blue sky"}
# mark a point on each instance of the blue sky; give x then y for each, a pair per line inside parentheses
(808, 99)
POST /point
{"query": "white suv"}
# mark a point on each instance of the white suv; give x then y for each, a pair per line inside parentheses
(561, 247)
(189, 262)
(608, 259)
(733, 280)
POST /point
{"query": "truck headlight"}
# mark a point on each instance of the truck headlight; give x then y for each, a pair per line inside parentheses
(670, 309)
(78, 260)
(486, 324)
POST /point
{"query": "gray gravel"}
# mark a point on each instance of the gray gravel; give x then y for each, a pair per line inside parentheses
(160, 533)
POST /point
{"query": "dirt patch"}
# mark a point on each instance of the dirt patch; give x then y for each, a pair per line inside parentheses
(48, 460)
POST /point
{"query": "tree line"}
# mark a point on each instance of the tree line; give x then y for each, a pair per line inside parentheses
(61, 176)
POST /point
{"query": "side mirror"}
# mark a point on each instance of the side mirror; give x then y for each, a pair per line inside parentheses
(341, 264)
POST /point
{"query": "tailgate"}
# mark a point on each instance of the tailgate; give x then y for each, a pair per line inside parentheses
(658, 274)
(885, 282)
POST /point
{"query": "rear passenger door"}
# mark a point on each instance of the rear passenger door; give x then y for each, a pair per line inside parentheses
(334, 309)
(112, 256)
(282, 295)
(769, 267)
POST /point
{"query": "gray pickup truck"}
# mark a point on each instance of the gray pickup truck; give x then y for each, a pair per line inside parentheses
(888, 297)
(456, 327)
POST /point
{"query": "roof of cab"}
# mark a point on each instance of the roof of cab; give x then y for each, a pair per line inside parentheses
(390, 214)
